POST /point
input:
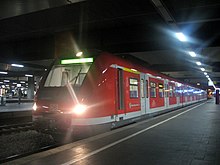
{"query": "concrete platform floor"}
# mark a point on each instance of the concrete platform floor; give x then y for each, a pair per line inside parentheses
(184, 137)
(11, 107)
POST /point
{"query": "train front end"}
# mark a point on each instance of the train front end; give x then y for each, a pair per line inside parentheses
(57, 100)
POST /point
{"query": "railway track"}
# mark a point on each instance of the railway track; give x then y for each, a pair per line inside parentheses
(12, 128)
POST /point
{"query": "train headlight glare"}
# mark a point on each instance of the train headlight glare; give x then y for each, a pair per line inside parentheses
(79, 109)
(34, 107)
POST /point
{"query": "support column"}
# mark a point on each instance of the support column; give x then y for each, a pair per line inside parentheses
(30, 91)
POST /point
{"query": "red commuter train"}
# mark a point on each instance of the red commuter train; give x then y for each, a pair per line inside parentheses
(106, 90)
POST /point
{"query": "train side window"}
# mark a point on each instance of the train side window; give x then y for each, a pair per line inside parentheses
(174, 91)
(166, 90)
(171, 91)
(153, 89)
(133, 83)
(147, 88)
(160, 90)
(142, 88)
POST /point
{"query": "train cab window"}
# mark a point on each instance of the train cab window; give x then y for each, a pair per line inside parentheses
(160, 90)
(61, 75)
(171, 91)
(133, 83)
(153, 89)
(64, 79)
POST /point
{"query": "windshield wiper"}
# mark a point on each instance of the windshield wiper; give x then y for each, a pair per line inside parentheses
(76, 77)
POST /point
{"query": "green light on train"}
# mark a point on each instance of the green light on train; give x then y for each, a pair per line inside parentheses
(77, 61)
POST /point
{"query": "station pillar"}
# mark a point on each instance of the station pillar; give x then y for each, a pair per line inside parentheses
(30, 91)
(217, 97)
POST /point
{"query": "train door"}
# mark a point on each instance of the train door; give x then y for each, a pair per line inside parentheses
(144, 93)
(177, 91)
(166, 93)
(120, 92)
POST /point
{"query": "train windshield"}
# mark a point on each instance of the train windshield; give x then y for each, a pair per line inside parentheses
(61, 75)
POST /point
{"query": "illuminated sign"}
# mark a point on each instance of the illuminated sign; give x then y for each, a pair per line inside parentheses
(77, 61)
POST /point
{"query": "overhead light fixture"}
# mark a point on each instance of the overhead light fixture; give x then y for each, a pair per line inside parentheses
(79, 54)
(198, 84)
(202, 69)
(3, 72)
(28, 75)
(6, 80)
(211, 83)
(205, 73)
(181, 37)
(17, 65)
(198, 63)
(191, 53)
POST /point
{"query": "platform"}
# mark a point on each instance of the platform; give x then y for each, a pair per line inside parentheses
(13, 110)
(14, 107)
(188, 136)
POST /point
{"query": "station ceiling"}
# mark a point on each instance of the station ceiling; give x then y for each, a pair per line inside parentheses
(31, 31)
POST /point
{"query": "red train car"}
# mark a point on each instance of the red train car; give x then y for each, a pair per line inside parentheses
(106, 90)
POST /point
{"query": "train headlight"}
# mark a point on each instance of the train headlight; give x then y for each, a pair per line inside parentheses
(34, 107)
(79, 109)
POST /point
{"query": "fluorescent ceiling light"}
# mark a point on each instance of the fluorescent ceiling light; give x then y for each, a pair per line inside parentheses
(17, 65)
(181, 37)
(3, 72)
(29, 75)
(191, 53)
(75, 61)
(198, 63)
(202, 69)
(6, 81)
(205, 73)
